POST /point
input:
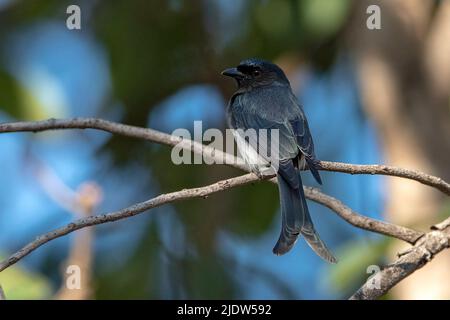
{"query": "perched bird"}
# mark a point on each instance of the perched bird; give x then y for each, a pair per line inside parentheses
(264, 100)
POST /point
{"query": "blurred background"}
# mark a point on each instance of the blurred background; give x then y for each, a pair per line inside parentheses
(371, 96)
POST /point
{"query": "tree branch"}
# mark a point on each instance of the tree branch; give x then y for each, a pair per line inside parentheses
(124, 130)
(360, 221)
(425, 245)
(209, 152)
(343, 211)
(408, 262)
(125, 213)
(378, 169)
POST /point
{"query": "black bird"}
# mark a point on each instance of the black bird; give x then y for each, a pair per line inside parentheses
(264, 100)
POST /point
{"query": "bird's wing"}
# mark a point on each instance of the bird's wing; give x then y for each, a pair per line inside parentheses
(305, 143)
(287, 144)
(293, 130)
(273, 151)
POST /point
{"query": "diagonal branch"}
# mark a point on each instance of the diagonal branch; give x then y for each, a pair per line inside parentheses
(343, 211)
(209, 152)
(408, 262)
(360, 221)
(126, 213)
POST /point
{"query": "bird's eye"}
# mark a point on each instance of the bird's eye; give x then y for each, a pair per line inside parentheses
(256, 73)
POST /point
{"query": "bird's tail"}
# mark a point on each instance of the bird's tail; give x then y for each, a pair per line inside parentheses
(296, 220)
(312, 237)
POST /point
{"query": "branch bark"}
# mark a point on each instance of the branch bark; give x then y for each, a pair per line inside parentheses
(378, 169)
(343, 211)
(408, 262)
(126, 213)
(402, 233)
(209, 152)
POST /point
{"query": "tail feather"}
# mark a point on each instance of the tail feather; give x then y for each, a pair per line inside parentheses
(313, 168)
(313, 240)
(292, 217)
(312, 237)
(296, 220)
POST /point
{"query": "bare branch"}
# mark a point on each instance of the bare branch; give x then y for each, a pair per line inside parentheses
(127, 212)
(360, 221)
(378, 169)
(209, 152)
(343, 211)
(408, 262)
(425, 246)
(124, 130)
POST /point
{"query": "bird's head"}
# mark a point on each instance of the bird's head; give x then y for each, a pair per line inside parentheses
(254, 72)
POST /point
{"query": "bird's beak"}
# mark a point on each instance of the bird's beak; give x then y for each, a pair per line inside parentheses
(233, 72)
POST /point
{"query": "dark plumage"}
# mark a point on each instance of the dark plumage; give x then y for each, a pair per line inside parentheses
(264, 100)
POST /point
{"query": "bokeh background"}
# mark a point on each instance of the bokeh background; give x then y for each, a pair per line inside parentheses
(371, 96)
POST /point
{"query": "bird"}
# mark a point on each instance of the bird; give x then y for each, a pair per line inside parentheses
(264, 100)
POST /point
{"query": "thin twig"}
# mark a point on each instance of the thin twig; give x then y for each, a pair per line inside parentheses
(379, 169)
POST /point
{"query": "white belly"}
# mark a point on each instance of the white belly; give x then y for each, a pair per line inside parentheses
(251, 157)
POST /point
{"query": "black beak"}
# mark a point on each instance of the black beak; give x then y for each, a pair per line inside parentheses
(233, 72)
